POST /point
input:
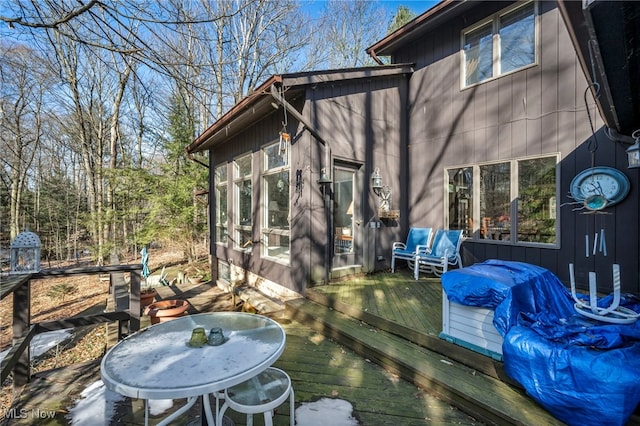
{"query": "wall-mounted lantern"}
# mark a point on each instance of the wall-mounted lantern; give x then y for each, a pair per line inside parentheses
(384, 193)
(376, 182)
(381, 190)
(25, 253)
(324, 181)
(633, 152)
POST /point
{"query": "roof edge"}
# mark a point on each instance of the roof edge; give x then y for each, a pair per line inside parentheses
(416, 23)
(288, 81)
(234, 112)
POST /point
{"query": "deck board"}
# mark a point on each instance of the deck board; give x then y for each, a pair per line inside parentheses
(319, 368)
(397, 297)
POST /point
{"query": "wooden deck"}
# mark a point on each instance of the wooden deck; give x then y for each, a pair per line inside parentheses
(372, 341)
(406, 317)
(394, 297)
(319, 368)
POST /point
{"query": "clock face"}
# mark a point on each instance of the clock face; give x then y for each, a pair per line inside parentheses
(600, 182)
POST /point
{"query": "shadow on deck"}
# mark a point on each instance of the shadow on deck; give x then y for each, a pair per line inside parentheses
(401, 373)
(319, 367)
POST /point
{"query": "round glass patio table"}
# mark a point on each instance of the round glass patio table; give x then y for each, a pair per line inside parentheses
(158, 362)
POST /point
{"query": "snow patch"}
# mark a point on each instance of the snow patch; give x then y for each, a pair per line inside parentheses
(95, 407)
(326, 411)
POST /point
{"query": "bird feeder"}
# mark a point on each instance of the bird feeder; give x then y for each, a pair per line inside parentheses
(25, 253)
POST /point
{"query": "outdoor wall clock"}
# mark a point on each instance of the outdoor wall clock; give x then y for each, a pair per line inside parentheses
(600, 187)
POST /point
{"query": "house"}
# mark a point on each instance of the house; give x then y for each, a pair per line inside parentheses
(484, 121)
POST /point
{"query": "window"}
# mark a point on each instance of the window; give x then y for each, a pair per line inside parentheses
(537, 200)
(220, 181)
(343, 188)
(243, 211)
(275, 185)
(503, 44)
(511, 201)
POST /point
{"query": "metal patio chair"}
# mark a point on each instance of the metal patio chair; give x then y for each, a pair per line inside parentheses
(444, 252)
(614, 313)
(407, 251)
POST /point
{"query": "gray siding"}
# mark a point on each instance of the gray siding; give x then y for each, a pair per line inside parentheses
(361, 121)
(539, 110)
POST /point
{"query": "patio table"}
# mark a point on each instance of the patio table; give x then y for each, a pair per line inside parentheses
(158, 363)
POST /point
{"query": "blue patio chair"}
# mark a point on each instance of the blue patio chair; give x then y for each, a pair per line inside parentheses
(444, 251)
(407, 251)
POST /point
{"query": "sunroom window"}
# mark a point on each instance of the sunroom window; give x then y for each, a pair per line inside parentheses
(220, 182)
(513, 202)
(504, 43)
(275, 185)
(243, 217)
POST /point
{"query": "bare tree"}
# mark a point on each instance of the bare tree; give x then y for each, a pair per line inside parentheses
(346, 29)
(24, 83)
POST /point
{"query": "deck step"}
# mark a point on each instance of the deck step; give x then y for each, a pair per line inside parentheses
(486, 398)
(433, 342)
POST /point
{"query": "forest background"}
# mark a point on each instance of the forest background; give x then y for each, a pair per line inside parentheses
(100, 98)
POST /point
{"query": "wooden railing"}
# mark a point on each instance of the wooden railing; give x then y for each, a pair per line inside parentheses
(18, 358)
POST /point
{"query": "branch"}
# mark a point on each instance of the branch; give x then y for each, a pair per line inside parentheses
(54, 24)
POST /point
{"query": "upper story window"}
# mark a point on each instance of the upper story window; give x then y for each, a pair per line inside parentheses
(511, 201)
(243, 211)
(503, 43)
(220, 182)
(275, 190)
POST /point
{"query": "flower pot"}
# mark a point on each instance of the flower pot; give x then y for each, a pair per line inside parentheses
(166, 310)
(147, 297)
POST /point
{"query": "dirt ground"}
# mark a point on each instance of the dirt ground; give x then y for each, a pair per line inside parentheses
(64, 297)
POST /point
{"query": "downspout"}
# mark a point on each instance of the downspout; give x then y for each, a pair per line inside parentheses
(373, 55)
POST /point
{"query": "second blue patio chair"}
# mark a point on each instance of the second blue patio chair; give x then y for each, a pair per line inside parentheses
(407, 251)
(444, 251)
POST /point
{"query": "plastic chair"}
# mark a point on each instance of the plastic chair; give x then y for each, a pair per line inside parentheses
(407, 251)
(260, 394)
(614, 313)
(444, 251)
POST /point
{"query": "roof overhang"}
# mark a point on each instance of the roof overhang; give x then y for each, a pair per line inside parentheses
(263, 101)
(606, 37)
(416, 28)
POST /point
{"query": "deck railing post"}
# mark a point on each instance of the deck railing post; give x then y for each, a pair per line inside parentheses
(21, 324)
(134, 302)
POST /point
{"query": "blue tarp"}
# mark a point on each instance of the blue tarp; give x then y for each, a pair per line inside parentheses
(508, 288)
(582, 371)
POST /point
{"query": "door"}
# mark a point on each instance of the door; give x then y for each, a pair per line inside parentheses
(347, 245)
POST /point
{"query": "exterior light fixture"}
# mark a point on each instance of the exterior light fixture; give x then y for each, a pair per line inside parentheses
(324, 181)
(324, 178)
(382, 191)
(376, 181)
(633, 152)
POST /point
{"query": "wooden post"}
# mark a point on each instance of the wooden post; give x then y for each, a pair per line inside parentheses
(21, 324)
(134, 302)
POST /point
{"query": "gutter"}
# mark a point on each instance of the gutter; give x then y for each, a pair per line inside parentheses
(440, 8)
(230, 115)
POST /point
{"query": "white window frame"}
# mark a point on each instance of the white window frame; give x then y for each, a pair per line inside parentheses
(266, 230)
(221, 239)
(494, 20)
(238, 227)
(514, 196)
